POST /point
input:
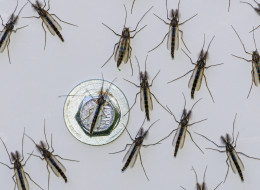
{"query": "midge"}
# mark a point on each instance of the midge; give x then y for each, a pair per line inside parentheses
(134, 150)
(201, 186)
(232, 155)
(146, 95)
(6, 33)
(174, 31)
(198, 71)
(123, 49)
(51, 159)
(47, 18)
(255, 62)
(182, 130)
(20, 176)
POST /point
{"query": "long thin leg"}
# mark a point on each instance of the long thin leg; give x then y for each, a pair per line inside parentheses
(121, 150)
(45, 36)
(33, 181)
(138, 32)
(128, 133)
(19, 28)
(236, 140)
(218, 185)
(132, 7)
(251, 85)
(64, 21)
(159, 43)
(227, 170)
(180, 76)
(161, 19)
(166, 136)
(220, 151)
(48, 176)
(111, 55)
(6, 165)
(188, 19)
(248, 156)
(147, 145)
(241, 58)
(8, 50)
(197, 122)
(188, 57)
(133, 104)
(169, 110)
(111, 29)
(154, 79)
(14, 182)
(214, 65)
(208, 88)
(48, 5)
(130, 53)
(7, 154)
(32, 17)
(66, 158)
(2, 21)
(183, 41)
(37, 156)
(209, 140)
(52, 144)
(255, 29)
(28, 158)
(143, 165)
(233, 130)
(195, 142)
(240, 40)
(159, 102)
(132, 83)
(229, 5)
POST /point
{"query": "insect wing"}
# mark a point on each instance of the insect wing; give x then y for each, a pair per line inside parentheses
(191, 81)
(149, 97)
(196, 73)
(129, 152)
(169, 40)
(20, 177)
(255, 74)
(177, 39)
(127, 52)
(55, 23)
(118, 49)
(200, 79)
(48, 26)
(232, 163)
(142, 98)
(4, 38)
(52, 161)
(180, 134)
(137, 151)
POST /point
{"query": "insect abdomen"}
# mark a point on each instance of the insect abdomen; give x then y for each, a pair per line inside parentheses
(146, 104)
(178, 141)
(237, 165)
(3, 38)
(122, 51)
(58, 169)
(54, 28)
(21, 178)
(129, 159)
(94, 119)
(195, 83)
(173, 41)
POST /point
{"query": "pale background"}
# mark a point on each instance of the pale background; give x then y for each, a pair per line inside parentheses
(30, 87)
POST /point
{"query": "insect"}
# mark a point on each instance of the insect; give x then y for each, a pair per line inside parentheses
(47, 18)
(123, 49)
(51, 159)
(134, 150)
(6, 33)
(182, 130)
(20, 176)
(255, 62)
(174, 31)
(201, 186)
(198, 71)
(146, 95)
(232, 155)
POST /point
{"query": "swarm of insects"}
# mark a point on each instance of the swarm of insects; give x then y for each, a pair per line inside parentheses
(123, 49)
(6, 33)
(174, 31)
(198, 71)
(47, 18)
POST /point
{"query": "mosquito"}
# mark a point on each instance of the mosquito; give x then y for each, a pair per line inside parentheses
(20, 176)
(47, 18)
(232, 155)
(174, 31)
(198, 71)
(201, 186)
(123, 49)
(146, 95)
(6, 33)
(52, 162)
(182, 130)
(255, 62)
(134, 150)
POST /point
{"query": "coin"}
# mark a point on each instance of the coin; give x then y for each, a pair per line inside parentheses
(78, 112)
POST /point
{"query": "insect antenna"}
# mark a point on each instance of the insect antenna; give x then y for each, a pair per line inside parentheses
(233, 137)
(152, 125)
(195, 174)
(30, 138)
(210, 43)
(22, 144)
(45, 136)
(204, 39)
(179, 5)
(138, 65)
(167, 10)
(22, 9)
(141, 20)
(195, 104)
(254, 38)
(125, 15)
(204, 176)
(16, 7)
(184, 100)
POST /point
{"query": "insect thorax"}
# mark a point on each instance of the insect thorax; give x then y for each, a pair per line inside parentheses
(256, 58)
(139, 140)
(126, 33)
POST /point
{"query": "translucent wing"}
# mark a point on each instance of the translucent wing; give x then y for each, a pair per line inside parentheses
(150, 101)
(201, 73)
(180, 136)
(176, 135)
(142, 98)
(132, 163)
(232, 163)
(128, 152)
(52, 162)
(4, 38)
(48, 26)
(127, 51)
(117, 49)
(55, 23)
(19, 178)
(177, 38)
(169, 39)
(191, 81)
(183, 137)
(255, 75)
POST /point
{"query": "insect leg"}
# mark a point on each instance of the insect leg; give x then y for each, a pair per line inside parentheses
(255, 29)
(143, 165)
(48, 5)
(32, 17)
(236, 140)
(66, 158)
(154, 79)
(129, 56)
(138, 32)
(182, 187)
(195, 174)
(197, 122)
(14, 182)
(45, 35)
(133, 104)
(161, 19)
(227, 170)
(132, 7)
(161, 139)
(251, 85)
(159, 102)
(8, 50)
(180, 76)
(218, 185)
(241, 58)
(188, 57)
(220, 151)
(51, 145)
(7, 154)
(128, 133)
(208, 88)
(229, 5)
(48, 176)
(233, 137)
(64, 21)
(121, 150)
(45, 136)
(19, 28)
(111, 29)
(44, 4)
(248, 3)
(240, 40)
(111, 55)
(132, 83)
(33, 181)
(183, 41)
(248, 156)
(188, 19)
(194, 142)
(214, 65)
(209, 140)
(170, 111)
(2, 21)
(159, 43)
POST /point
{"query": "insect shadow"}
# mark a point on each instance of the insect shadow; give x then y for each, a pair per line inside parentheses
(20, 176)
(198, 71)
(47, 18)
(174, 31)
(232, 155)
(52, 162)
(182, 130)
(146, 95)
(8, 29)
(123, 49)
(134, 150)
(201, 186)
(255, 62)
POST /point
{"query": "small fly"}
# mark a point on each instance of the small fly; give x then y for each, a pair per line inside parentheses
(198, 71)
(174, 31)
(123, 49)
(201, 186)
(232, 155)
(20, 176)
(51, 159)
(5, 34)
(47, 18)
(255, 62)
(146, 95)
(134, 150)
(182, 130)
